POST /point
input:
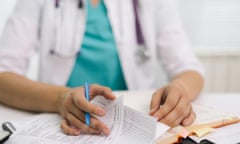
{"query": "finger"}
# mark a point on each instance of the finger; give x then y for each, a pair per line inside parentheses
(155, 102)
(186, 114)
(172, 100)
(77, 113)
(173, 122)
(96, 89)
(67, 129)
(94, 123)
(82, 104)
(84, 129)
(190, 119)
(177, 114)
(180, 115)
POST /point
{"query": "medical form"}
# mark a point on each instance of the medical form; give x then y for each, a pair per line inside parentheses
(126, 125)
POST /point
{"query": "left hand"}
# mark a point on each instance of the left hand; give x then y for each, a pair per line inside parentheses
(177, 108)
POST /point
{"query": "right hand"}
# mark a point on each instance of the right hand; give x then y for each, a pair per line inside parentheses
(73, 105)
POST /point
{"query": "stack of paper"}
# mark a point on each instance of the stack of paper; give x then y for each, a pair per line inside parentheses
(126, 124)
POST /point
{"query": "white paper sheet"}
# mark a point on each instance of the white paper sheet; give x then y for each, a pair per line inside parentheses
(137, 128)
(207, 114)
(44, 129)
(225, 135)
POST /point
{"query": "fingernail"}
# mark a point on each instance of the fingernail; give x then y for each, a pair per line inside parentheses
(155, 116)
(113, 97)
(153, 110)
(76, 132)
(106, 131)
(101, 112)
(186, 123)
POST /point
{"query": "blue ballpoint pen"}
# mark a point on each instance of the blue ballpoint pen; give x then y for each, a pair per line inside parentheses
(87, 114)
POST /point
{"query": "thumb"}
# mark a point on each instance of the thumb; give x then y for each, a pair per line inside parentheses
(106, 92)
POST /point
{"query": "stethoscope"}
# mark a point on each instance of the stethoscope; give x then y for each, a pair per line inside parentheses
(142, 51)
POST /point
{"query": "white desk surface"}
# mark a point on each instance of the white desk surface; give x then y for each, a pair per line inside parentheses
(140, 100)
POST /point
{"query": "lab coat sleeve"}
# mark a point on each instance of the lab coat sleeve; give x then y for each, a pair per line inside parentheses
(20, 37)
(173, 46)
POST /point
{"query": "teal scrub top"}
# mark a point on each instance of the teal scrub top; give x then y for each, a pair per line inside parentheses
(98, 61)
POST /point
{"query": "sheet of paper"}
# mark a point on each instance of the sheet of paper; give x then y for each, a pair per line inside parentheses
(207, 114)
(161, 129)
(138, 128)
(45, 128)
(225, 135)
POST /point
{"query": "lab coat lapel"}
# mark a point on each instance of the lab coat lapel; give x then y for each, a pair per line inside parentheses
(121, 16)
(113, 15)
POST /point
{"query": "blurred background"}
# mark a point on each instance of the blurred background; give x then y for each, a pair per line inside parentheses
(213, 27)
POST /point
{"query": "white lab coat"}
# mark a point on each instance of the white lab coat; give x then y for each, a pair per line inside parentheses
(32, 27)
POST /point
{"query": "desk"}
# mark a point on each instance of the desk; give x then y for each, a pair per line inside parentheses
(227, 102)
(140, 101)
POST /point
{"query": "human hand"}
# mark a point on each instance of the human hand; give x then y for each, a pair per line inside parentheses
(73, 105)
(171, 105)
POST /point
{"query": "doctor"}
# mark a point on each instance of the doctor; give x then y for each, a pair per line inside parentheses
(113, 43)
